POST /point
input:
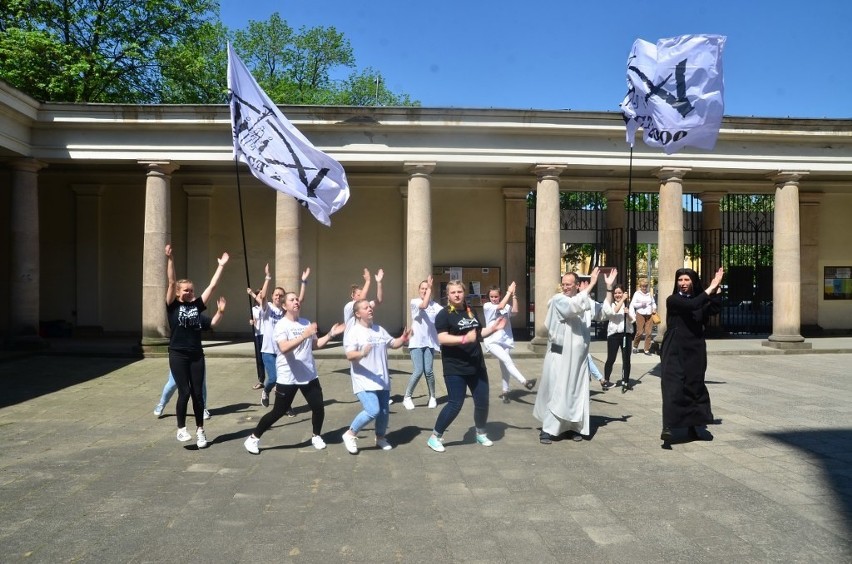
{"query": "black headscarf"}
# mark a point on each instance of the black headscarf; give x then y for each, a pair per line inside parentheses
(697, 286)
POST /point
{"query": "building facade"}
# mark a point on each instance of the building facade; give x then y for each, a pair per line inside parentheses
(91, 193)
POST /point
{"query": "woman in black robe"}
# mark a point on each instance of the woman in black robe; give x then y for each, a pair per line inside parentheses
(686, 401)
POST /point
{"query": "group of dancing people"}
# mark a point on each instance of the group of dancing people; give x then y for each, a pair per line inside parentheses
(286, 341)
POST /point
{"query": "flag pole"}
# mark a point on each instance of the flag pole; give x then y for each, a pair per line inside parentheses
(625, 380)
(258, 364)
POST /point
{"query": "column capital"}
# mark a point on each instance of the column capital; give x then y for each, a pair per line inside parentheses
(88, 189)
(671, 173)
(159, 168)
(711, 197)
(784, 177)
(548, 171)
(516, 193)
(27, 165)
(198, 190)
(419, 168)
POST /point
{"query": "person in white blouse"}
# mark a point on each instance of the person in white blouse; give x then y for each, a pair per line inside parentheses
(618, 332)
(643, 306)
(423, 343)
(366, 347)
(501, 342)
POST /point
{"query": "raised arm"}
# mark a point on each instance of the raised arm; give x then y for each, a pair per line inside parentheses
(366, 287)
(304, 284)
(427, 297)
(223, 260)
(380, 296)
(220, 311)
(510, 293)
(171, 282)
(260, 297)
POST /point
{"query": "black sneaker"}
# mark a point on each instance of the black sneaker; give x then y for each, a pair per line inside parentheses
(607, 385)
(545, 438)
(666, 435)
(505, 397)
(530, 384)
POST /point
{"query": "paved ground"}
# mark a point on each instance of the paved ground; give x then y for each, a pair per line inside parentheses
(88, 474)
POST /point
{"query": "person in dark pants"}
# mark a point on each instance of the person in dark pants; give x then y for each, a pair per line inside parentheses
(686, 401)
(186, 357)
(296, 338)
(618, 333)
(464, 366)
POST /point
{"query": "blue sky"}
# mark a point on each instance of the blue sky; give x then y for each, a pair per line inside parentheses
(782, 58)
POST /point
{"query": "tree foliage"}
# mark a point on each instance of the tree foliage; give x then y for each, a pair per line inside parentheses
(94, 50)
(173, 51)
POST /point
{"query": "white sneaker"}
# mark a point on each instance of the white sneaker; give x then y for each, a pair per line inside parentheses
(383, 444)
(407, 403)
(484, 440)
(159, 409)
(206, 415)
(201, 438)
(318, 443)
(351, 443)
(183, 435)
(252, 443)
(433, 403)
(435, 444)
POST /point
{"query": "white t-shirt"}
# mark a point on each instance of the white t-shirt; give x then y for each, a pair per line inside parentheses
(269, 317)
(370, 372)
(296, 366)
(255, 315)
(504, 336)
(423, 332)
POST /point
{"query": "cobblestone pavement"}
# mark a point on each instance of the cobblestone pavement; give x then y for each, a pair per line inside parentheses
(89, 474)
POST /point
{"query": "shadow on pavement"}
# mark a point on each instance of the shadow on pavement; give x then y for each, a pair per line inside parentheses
(28, 378)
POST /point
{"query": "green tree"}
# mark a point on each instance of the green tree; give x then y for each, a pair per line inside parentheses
(94, 50)
(194, 71)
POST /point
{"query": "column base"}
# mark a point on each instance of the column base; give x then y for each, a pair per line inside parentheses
(538, 345)
(787, 342)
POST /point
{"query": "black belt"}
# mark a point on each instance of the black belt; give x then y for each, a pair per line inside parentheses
(554, 348)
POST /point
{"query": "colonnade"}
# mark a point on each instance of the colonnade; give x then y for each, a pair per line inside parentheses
(794, 254)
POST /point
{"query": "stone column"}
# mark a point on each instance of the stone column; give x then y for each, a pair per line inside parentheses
(24, 267)
(811, 277)
(288, 220)
(158, 216)
(786, 265)
(198, 233)
(515, 202)
(671, 250)
(418, 235)
(711, 250)
(88, 248)
(616, 218)
(548, 250)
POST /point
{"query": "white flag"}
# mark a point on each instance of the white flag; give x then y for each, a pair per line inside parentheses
(675, 92)
(276, 152)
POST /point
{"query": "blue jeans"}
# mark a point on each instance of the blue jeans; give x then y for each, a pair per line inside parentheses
(421, 358)
(375, 404)
(593, 368)
(271, 372)
(457, 387)
(171, 386)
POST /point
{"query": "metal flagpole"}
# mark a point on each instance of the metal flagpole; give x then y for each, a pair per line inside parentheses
(260, 371)
(631, 258)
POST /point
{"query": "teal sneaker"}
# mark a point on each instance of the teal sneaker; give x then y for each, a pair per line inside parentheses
(435, 444)
(484, 440)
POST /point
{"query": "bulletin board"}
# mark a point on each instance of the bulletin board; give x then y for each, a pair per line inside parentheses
(837, 283)
(476, 279)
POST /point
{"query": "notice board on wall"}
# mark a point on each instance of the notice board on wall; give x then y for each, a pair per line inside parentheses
(477, 280)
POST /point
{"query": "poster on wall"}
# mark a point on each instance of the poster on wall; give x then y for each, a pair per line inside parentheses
(837, 283)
